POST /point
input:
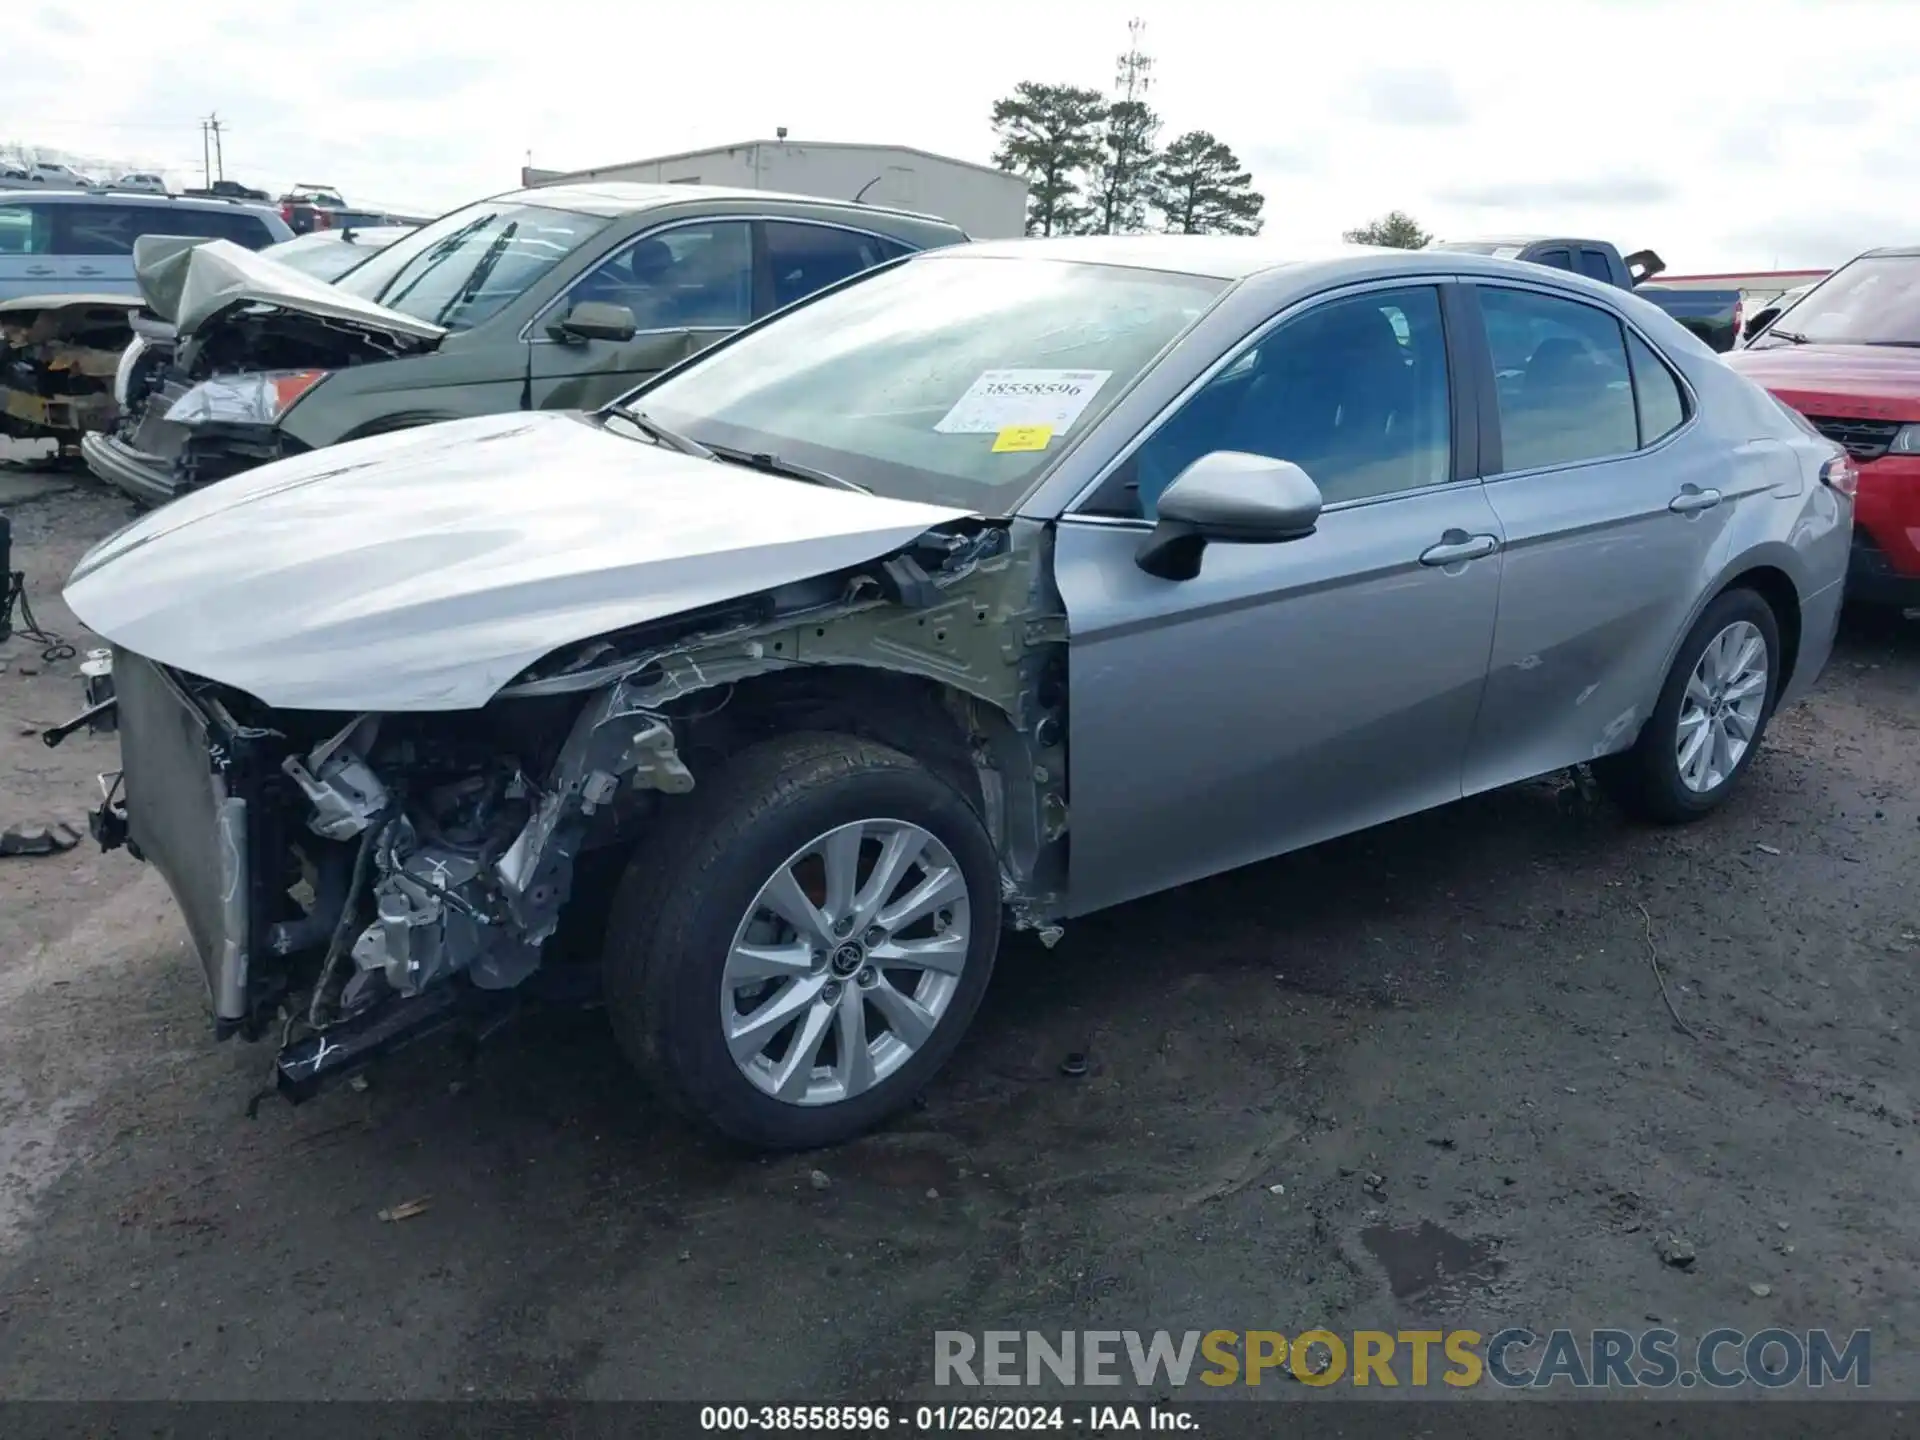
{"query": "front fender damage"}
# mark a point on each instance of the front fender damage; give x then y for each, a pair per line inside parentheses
(467, 851)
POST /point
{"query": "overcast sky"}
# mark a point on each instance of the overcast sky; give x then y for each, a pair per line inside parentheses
(1756, 134)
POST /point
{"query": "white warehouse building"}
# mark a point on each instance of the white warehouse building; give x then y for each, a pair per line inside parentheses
(988, 204)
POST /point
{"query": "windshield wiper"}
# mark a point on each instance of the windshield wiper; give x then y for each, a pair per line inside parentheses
(482, 268)
(771, 464)
(653, 429)
(1792, 337)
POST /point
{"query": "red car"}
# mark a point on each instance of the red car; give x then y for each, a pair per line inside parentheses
(1847, 356)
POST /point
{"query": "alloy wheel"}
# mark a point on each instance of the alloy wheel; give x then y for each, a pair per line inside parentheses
(845, 962)
(1721, 710)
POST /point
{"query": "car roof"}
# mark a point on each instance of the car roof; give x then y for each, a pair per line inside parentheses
(1906, 252)
(1223, 257)
(135, 197)
(610, 198)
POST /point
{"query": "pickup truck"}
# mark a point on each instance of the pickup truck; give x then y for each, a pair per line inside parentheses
(307, 207)
(1713, 315)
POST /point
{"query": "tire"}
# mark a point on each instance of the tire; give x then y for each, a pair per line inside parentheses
(1646, 780)
(696, 886)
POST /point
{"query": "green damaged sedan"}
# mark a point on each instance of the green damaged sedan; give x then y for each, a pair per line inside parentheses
(557, 298)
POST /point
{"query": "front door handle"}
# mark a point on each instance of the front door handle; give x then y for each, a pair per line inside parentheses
(39, 269)
(87, 270)
(1692, 499)
(1456, 546)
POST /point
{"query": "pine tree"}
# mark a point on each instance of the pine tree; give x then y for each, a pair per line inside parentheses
(1203, 190)
(1396, 229)
(1050, 134)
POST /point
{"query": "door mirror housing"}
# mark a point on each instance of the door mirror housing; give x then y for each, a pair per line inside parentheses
(594, 320)
(1759, 321)
(1232, 497)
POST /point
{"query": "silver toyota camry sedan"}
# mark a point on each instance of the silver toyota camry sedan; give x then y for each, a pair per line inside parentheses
(1010, 582)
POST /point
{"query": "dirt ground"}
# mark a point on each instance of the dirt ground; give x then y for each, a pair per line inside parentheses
(1459, 1007)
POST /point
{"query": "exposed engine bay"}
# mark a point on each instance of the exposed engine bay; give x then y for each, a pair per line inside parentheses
(352, 882)
(58, 355)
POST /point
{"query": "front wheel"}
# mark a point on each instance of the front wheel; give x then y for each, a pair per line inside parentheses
(802, 943)
(1707, 725)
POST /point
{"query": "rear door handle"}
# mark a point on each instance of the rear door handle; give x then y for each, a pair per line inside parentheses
(1690, 500)
(1456, 546)
(39, 269)
(86, 270)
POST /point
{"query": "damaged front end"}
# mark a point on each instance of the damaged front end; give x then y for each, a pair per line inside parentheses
(228, 343)
(352, 883)
(58, 355)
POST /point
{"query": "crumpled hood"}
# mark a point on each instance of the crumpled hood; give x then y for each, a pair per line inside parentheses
(190, 282)
(424, 570)
(1867, 382)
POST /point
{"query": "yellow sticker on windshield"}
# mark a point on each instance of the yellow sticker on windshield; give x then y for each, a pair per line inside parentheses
(1023, 437)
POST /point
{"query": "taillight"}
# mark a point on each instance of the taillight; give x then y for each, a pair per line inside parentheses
(1839, 474)
(286, 213)
(1739, 318)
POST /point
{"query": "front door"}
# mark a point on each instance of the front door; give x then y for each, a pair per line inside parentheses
(1290, 692)
(1613, 520)
(686, 286)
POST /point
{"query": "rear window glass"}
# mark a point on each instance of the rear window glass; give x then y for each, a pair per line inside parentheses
(112, 229)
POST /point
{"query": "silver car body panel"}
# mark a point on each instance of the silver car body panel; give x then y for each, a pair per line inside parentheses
(1286, 694)
(189, 283)
(424, 570)
(1318, 687)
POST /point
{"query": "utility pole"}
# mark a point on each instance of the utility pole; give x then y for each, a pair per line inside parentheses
(1133, 78)
(206, 159)
(219, 161)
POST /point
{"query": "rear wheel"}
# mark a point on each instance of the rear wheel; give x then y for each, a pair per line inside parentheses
(803, 942)
(1707, 725)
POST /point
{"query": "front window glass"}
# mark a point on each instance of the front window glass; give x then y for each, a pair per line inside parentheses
(949, 379)
(466, 266)
(1873, 301)
(691, 277)
(1353, 391)
(24, 230)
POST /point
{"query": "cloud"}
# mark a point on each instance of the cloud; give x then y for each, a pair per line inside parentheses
(1411, 97)
(1292, 159)
(1818, 236)
(1514, 195)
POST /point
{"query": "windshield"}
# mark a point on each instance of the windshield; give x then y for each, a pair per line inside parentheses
(464, 267)
(947, 379)
(1875, 300)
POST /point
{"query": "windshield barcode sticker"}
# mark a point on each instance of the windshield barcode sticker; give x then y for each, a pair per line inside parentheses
(1009, 399)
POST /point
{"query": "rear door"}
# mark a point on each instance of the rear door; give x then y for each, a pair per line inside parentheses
(1612, 516)
(802, 256)
(1292, 692)
(28, 265)
(687, 285)
(1598, 265)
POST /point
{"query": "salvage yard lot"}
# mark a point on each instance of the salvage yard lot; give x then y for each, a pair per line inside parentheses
(1452, 1019)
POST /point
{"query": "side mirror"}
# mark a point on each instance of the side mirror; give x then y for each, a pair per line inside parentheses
(1759, 321)
(1229, 496)
(594, 320)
